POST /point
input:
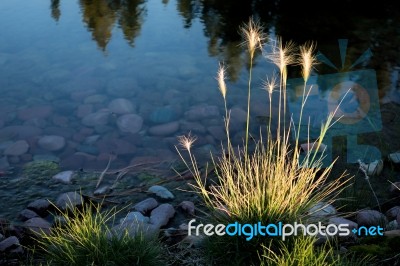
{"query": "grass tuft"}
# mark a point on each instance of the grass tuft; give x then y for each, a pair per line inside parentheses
(85, 238)
(272, 183)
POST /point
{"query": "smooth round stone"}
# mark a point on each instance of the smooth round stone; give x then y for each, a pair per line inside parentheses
(202, 112)
(84, 110)
(64, 177)
(163, 115)
(93, 99)
(121, 106)
(162, 214)
(218, 132)
(130, 123)
(164, 129)
(20, 132)
(51, 143)
(38, 225)
(88, 149)
(17, 148)
(161, 192)
(69, 200)
(99, 118)
(35, 112)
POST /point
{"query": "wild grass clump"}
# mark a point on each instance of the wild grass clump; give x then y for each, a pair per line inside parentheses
(85, 238)
(271, 183)
(302, 253)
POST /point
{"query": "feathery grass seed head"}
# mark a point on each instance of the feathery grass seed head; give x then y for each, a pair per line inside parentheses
(270, 84)
(186, 141)
(221, 74)
(282, 55)
(253, 35)
(307, 59)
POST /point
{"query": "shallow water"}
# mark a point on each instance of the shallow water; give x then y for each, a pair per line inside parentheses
(63, 63)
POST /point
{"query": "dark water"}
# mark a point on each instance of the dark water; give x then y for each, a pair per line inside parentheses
(63, 63)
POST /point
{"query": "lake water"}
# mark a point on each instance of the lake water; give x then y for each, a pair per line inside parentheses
(85, 81)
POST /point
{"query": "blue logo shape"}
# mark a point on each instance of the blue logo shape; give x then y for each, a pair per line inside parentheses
(351, 95)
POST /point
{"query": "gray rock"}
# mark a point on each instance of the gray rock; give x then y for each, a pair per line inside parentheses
(187, 206)
(40, 206)
(121, 106)
(103, 190)
(135, 228)
(130, 123)
(394, 157)
(340, 220)
(38, 225)
(69, 200)
(218, 132)
(392, 233)
(9, 244)
(17, 148)
(146, 205)
(392, 213)
(91, 139)
(99, 118)
(322, 209)
(164, 129)
(51, 143)
(202, 112)
(371, 218)
(94, 99)
(393, 225)
(18, 250)
(135, 217)
(27, 214)
(162, 115)
(161, 215)
(64, 177)
(161, 192)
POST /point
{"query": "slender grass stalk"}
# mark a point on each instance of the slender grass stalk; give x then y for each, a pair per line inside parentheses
(253, 37)
(269, 86)
(307, 62)
(282, 56)
(221, 76)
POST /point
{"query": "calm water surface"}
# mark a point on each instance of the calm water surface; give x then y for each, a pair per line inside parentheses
(122, 79)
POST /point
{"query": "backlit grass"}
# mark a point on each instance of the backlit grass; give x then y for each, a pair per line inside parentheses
(271, 182)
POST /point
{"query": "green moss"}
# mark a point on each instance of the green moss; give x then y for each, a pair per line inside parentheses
(40, 169)
(148, 178)
(373, 249)
(379, 246)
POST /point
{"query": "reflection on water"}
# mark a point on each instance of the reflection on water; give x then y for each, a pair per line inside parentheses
(100, 17)
(153, 78)
(55, 9)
